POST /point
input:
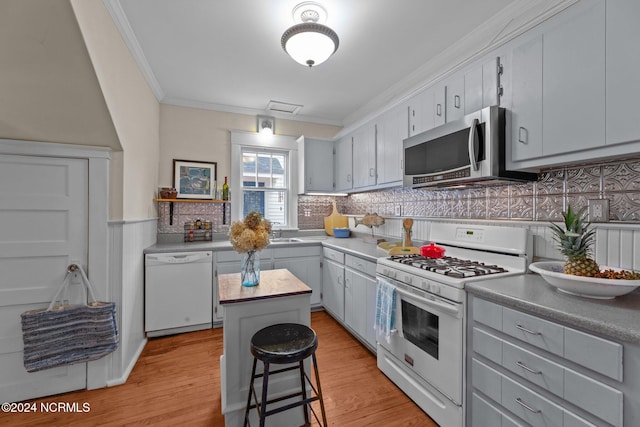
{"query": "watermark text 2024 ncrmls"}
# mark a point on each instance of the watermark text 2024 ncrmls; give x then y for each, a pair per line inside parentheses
(65, 407)
(54, 407)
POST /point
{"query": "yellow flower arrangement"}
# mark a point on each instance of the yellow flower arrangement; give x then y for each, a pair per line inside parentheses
(251, 234)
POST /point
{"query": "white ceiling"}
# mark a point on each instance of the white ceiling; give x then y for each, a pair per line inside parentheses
(226, 54)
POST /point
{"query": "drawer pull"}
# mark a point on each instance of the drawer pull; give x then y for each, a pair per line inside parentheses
(529, 331)
(527, 407)
(528, 369)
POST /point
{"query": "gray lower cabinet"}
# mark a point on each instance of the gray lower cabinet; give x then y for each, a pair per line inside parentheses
(527, 371)
(349, 293)
(333, 283)
(360, 298)
(304, 263)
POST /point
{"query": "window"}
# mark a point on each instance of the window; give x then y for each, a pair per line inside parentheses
(264, 184)
(264, 177)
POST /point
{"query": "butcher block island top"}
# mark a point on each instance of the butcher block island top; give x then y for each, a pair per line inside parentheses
(273, 284)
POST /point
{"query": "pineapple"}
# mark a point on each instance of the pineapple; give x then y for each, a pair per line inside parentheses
(575, 243)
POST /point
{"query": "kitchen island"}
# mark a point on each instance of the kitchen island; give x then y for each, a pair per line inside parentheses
(279, 298)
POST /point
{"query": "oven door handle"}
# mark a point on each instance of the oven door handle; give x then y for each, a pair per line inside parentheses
(432, 303)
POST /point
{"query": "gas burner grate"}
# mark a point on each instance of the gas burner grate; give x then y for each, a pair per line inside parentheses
(449, 266)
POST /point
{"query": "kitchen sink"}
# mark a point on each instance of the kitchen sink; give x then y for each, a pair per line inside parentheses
(286, 240)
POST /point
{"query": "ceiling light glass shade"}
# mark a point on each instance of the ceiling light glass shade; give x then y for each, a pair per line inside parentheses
(310, 43)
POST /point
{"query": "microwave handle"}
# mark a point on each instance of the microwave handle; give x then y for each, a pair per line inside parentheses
(473, 138)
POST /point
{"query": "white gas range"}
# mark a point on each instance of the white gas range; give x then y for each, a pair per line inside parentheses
(424, 352)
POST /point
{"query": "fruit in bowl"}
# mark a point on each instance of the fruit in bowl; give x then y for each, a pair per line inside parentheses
(575, 242)
(580, 274)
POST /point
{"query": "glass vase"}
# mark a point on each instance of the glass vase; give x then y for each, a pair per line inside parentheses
(250, 268)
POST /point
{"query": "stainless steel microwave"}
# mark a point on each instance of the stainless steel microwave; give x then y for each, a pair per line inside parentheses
(466, 151)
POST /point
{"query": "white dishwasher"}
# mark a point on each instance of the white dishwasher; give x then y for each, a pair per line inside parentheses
(178, 292)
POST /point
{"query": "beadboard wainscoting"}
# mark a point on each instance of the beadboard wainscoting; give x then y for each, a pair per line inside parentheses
(127, 241)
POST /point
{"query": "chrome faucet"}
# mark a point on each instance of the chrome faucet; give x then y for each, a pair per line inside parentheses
(276, 233)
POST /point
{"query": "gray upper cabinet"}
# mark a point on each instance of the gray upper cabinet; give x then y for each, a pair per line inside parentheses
(573, 70)
(558, 89)
(623, 65)
(526, 99)
(391, 130)
(421, 112)
(440, 104)
(492, 88)
(455, 95)
(364, 156)
(315, 165)
(343, 163)
(473, 89)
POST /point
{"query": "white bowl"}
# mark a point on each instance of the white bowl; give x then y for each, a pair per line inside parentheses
(590, 287)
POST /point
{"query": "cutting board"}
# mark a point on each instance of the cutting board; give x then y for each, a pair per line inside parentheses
(335, 220)
(404, 250)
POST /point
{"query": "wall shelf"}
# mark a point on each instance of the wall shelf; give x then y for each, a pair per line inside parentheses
(191, 200)
(172, 201)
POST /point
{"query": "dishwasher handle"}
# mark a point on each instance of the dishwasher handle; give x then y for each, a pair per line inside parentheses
(179, 258)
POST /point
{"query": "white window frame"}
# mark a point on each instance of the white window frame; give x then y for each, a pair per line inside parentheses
(256, 141)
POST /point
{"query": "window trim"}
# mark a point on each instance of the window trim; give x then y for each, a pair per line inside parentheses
(252, 140)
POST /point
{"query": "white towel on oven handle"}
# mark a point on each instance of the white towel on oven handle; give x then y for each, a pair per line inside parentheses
(385, 309)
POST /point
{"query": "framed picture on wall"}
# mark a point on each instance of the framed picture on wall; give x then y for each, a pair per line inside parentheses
(194, 180)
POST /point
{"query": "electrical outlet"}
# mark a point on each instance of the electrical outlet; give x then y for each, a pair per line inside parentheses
(398, 210)
(598, 210)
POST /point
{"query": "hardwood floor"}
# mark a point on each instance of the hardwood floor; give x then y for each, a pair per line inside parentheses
(176, 381)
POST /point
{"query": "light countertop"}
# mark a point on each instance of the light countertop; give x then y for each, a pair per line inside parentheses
(617, 318)
(354, 245)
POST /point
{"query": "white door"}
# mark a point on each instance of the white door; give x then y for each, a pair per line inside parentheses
(43, 228)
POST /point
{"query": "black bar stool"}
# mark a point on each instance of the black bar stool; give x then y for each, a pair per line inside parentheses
(281, 344)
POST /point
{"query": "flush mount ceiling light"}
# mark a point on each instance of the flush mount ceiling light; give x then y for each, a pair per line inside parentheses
(310, 42)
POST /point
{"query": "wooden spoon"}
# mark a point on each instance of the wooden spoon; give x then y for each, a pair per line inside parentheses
(407, 223)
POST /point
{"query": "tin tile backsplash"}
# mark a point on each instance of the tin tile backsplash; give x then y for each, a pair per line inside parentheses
(543, 200)
(186, 212)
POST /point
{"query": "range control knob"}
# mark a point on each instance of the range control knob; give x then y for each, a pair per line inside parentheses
(435, 289)
(425, 285)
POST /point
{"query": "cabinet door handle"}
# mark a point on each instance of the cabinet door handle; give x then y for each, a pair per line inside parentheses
(339, 280)
(349, 177)
(523, 135)
(456, 101)
(529, 331)
(527, 407)
(371, 172)
(528, 369)
(438, 109)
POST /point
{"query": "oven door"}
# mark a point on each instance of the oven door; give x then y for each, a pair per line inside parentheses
(428, 338)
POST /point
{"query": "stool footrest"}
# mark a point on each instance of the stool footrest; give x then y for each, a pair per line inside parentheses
(277, 371)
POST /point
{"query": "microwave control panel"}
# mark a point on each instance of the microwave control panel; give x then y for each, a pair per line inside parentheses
(462, 173)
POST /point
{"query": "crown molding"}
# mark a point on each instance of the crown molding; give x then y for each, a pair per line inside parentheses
(122, 23)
